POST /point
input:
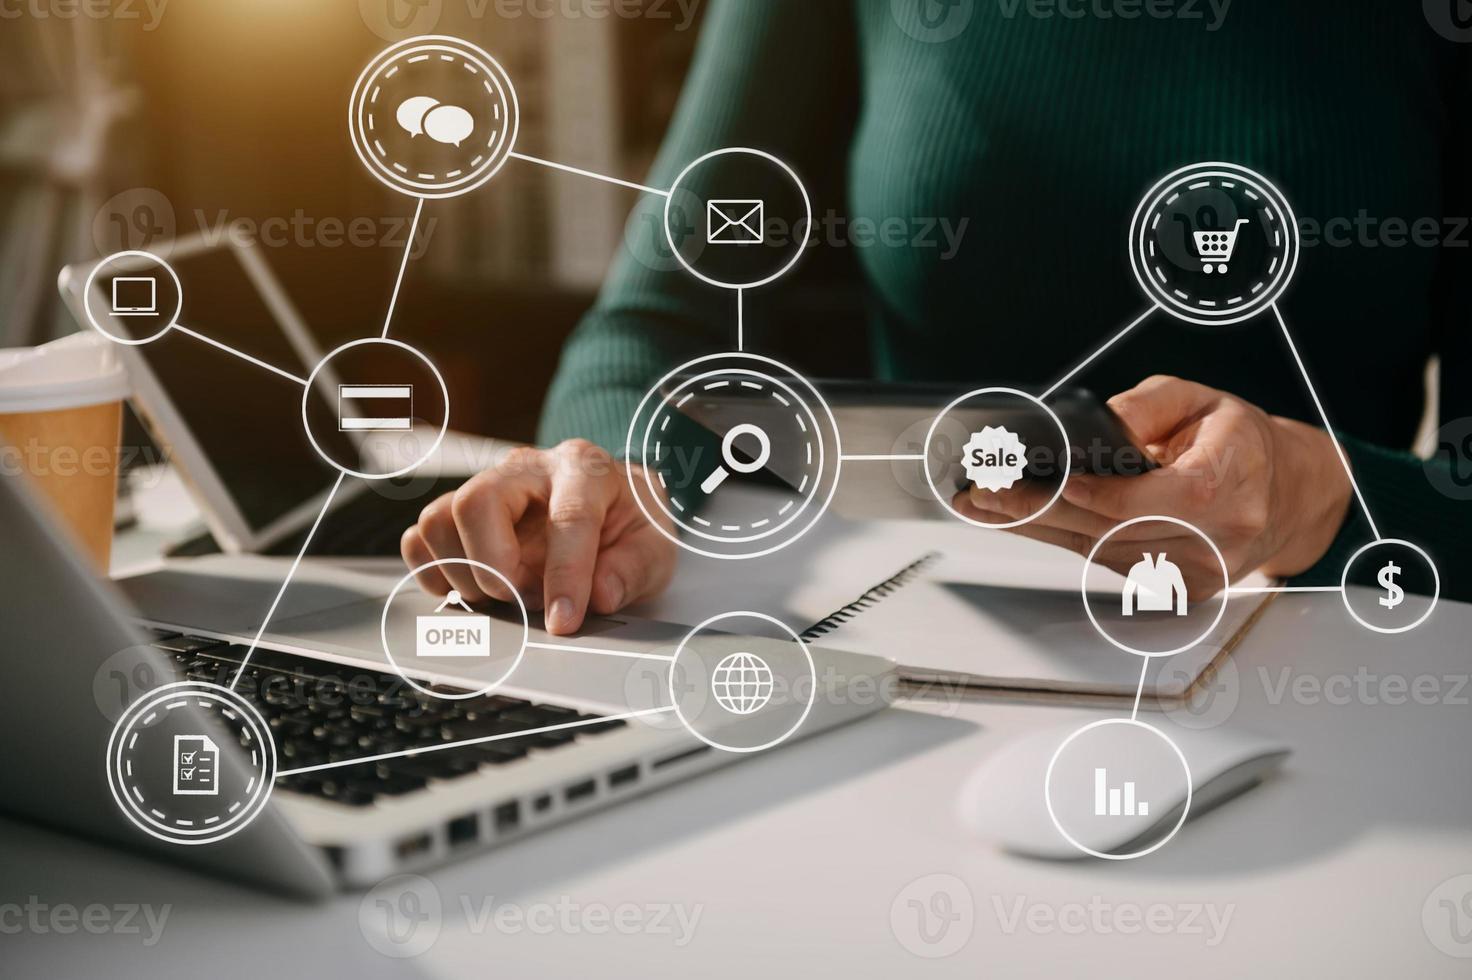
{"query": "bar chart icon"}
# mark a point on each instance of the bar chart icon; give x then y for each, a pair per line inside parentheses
(375, 408)
(1116, 801)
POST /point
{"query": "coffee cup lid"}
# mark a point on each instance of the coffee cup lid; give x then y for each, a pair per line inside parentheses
(72, 372)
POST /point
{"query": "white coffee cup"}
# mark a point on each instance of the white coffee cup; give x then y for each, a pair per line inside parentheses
(61, 409)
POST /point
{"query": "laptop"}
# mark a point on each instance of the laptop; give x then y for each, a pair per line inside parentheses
(451, 772)
(233, 431)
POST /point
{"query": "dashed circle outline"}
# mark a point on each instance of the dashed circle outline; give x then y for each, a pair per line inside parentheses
(1172, 305)
(1135, 723)
(1222, 596)
(649, 473)
(669, 200)
(778, 365)
(117, 780)
(434, 447)
(526, 631)
(1435, 578)
(471, 53)
(812, 676)
(930, 478)
(140, 254)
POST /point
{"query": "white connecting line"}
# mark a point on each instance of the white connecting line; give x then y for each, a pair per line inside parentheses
(582, 723)
(1140, 690)
(1095, 356)
(403, 264)
(741, 319)
(588, 173)
(240, 672)
(240, 354)
(1324, 416)
(881, 458)
(1265, 589)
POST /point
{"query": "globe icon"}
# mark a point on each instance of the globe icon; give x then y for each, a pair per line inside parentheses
(742, 683)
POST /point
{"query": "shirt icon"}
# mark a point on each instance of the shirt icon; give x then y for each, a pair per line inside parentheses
(196, 766)
(1154, 584)
(735, 222)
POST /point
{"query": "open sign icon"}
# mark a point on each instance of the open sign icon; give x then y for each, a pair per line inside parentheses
(452, 635)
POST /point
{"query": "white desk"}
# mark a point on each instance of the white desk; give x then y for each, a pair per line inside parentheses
(796, 859)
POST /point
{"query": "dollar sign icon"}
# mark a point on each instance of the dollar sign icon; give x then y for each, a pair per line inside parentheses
(1395, 595)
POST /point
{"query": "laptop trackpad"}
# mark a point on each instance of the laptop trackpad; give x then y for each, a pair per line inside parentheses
(232, 594)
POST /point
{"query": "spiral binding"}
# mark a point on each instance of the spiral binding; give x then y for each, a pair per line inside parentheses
(872, 597)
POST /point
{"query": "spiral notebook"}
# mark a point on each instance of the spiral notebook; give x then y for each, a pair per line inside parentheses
(962, 610)
(985, 613)
(996, 615)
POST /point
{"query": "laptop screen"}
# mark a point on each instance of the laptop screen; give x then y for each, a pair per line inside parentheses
(247, 420)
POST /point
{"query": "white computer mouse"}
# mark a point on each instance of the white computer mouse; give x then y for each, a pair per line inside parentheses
(1003, 800)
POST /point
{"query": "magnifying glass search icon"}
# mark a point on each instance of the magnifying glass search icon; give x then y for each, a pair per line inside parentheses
(728, 456)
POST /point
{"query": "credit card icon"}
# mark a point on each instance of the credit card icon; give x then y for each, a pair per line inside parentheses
(375, 408)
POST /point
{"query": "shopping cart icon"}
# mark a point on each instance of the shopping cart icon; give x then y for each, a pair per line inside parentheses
(1216, 247)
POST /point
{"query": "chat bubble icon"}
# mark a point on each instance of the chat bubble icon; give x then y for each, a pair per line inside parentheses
(411, 113)
(448, 124)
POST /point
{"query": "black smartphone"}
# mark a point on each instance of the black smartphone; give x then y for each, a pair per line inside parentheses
(901, 421)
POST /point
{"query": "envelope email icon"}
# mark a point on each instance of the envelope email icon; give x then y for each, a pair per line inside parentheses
(735, 222)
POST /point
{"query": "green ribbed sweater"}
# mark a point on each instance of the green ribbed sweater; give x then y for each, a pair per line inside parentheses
(1042, 134)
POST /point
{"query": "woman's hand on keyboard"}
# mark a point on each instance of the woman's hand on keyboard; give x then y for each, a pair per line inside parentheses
(562, 524)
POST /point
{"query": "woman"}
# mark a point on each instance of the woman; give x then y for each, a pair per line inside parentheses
(1044, 131)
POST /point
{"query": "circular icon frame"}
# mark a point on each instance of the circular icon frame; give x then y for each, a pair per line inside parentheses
(132, 253)
(684, 175)
(820, 422)
(1387, 630)
(1146, 264)
(125, 736)
(1222, 596)
(497, 83)
(1067, 456)
(492, 685)
(311, 386)
(1107, 856)
(806, 708)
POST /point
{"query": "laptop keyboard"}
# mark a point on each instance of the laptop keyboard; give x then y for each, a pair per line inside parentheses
(323, 712)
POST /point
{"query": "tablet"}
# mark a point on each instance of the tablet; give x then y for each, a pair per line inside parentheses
(232, 430)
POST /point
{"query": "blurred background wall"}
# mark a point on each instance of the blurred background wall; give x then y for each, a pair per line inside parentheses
(125, 124)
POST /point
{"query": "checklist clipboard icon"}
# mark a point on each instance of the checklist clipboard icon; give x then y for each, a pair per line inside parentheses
(196, 766)
(734, 222)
